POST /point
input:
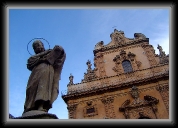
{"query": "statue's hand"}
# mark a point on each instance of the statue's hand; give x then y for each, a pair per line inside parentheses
(59, 48)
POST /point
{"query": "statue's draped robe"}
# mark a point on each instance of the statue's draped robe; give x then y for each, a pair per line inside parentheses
(43, 83)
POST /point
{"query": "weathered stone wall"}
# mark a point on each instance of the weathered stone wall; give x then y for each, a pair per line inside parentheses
(108, 94)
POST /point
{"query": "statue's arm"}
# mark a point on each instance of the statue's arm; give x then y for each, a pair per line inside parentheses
(55, 54)
(36, 59)
(32, 62)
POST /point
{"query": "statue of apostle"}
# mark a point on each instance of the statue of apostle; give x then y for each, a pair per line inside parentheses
(43, 84)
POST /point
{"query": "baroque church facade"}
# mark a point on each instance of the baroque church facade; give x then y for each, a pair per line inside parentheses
(129, 81)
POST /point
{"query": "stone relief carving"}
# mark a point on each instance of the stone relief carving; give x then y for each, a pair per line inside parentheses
(99, 63)
(72, 110)
(118, 37)
(124, 56)
(138, 63)
(137, 106)
(90, 109)
(118, 40)
(109, 107)
(144, 112)
(90, 75)
(134, 92)
(108, 100)
(164, 91)
(150, 53)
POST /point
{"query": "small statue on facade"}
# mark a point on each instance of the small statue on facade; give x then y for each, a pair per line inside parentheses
(99, 45)
(139, 36)
(162, 56)
(71, 77)
(89, 64)
(161, 52)
(120, 37)
(134, 92)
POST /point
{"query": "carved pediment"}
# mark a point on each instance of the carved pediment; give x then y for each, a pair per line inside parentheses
(118, 39)
(138, 106)
(123, 56)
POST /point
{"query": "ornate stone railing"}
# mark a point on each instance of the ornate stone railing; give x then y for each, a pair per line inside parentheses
(117, 80)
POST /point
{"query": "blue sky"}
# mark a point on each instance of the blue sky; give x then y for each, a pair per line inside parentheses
(77, 31)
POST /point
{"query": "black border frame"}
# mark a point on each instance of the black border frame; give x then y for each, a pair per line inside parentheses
(84, 122)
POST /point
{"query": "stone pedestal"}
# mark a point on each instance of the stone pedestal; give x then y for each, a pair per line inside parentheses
(35, 114)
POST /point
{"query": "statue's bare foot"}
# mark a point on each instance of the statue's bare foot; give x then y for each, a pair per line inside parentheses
(44, 110)
(41, 109)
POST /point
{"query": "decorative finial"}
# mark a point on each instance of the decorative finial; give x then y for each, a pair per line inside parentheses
(71, 79)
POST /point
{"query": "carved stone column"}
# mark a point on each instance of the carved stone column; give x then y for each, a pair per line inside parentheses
(118, 65)
(149, 51)
(109, 107)
(164, 91)
(72, 111)
(131, 57)
(100, 65)
(134, 65)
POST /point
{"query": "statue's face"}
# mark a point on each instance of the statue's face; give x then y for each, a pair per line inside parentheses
(38, 47)
(134, 94)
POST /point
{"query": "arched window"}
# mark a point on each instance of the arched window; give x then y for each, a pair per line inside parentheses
(127, 66)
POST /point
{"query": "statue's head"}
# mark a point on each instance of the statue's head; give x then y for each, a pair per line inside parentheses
(38, 46)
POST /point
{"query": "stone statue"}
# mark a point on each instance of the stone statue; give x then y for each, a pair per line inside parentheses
(99, 45)
(43, 84)
(134, 92)
(89, 64)
(118, 36)
(162, 55)
(161, 52)
(71, 77)
(139, 36)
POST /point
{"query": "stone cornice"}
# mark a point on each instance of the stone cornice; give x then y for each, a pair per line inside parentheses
(106, 48)
(117, 75)
(77, 93)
